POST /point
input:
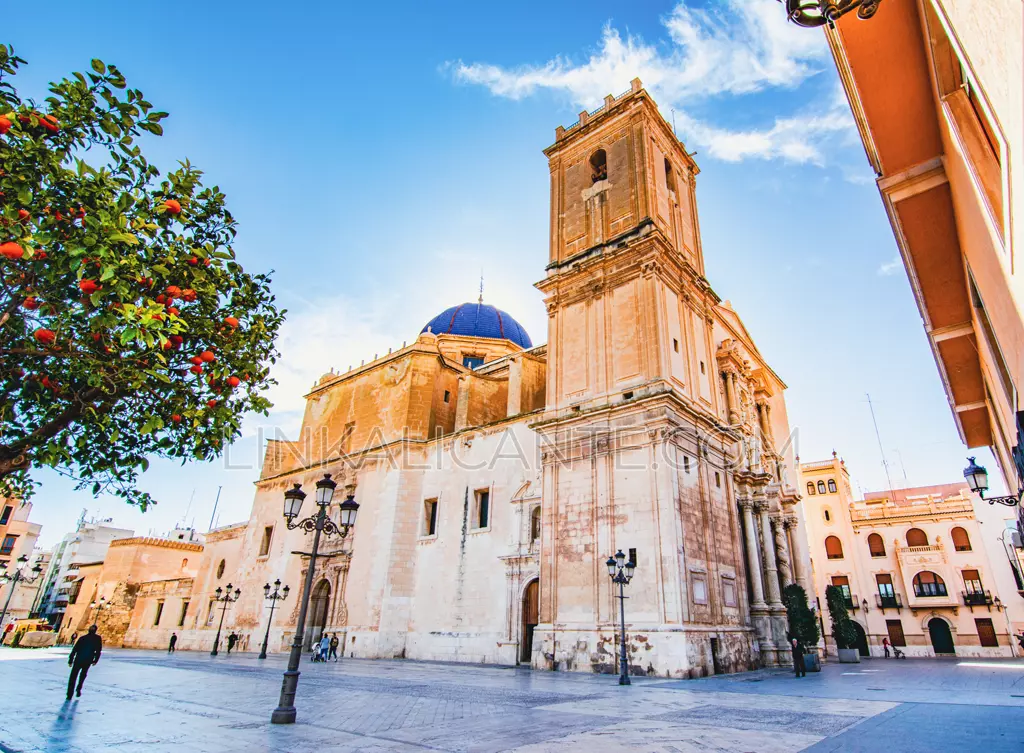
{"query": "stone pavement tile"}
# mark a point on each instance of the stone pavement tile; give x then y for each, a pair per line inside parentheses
(933, 728)
(653, 736)
(768, 720)
(503, 732)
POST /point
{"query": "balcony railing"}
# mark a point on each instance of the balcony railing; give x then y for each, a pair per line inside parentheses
(889, 602)
(930, 590)
(977, 598)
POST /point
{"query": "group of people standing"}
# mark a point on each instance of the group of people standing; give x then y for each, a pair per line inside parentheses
(326, 648)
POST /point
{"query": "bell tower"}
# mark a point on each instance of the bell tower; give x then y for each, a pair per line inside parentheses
(625, 285)
(637, 442)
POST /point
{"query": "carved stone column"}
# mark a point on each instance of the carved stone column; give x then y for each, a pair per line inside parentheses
(781, 542)
(771, 569)
(730, 396)
(797, 552)
(753, 563)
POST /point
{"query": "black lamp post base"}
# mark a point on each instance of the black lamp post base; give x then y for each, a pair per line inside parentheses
(624, 680)
(283, 715)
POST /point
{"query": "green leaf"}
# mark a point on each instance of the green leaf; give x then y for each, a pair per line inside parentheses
(97, 65)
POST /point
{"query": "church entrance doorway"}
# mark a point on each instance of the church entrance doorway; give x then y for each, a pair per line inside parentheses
(318, 608)
(942, 639)
(531, 610)
(862, 640)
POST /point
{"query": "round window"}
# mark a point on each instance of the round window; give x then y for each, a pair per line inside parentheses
(220, 569)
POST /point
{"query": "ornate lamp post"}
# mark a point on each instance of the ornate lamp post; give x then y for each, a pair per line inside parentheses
(315, 524)
(812, 13)
(621, 572)
(14, 579)
(279, 594)
(225, 598)
(977, 479)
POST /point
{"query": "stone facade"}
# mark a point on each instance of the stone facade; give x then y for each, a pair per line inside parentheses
(490, 495)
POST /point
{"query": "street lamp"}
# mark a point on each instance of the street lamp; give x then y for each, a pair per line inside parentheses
(225, 598)
(977, 480)
(316, 524)
(98, 606)
(813, 13)
(621, 572)
(14, 579)
(279, 594)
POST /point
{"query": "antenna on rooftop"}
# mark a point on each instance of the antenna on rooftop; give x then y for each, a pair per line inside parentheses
(215, 503)
(481, 299)
(878, 436)
(674, 132)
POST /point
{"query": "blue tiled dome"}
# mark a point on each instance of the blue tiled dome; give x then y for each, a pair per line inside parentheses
(479, 320)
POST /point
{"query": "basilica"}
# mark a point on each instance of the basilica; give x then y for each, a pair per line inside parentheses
(495, 476)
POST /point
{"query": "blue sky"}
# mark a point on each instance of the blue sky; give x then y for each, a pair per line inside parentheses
(378, 156)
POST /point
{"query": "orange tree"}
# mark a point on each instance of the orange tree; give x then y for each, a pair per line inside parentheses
(127, 328)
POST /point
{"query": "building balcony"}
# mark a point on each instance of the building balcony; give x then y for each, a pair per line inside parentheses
(889, 602)
(977, 598)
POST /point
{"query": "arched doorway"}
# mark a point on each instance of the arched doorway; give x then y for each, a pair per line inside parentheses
(531, 609)
(942, 639)
(861, 643)
(317, 620)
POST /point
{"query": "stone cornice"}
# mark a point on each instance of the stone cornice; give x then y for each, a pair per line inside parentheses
(187, 546)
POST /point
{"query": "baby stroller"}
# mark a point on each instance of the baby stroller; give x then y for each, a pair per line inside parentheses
(897, 653)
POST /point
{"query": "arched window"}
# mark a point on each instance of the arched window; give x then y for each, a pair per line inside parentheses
(834, 548)
(670, 180)
(220, 569)
(821, 487)
(832, 486)
(827, 514)
(917, 537)
(810, 488)
(876, 545)
(961, 541)
(598, 166)
(535, 524)
(927, 583)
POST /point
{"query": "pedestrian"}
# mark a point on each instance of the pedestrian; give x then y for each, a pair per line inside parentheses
(84, 654)
(885, 645)
(334, 647)
(232, 640)
(325, 647)
(798, 658)
(174, 642)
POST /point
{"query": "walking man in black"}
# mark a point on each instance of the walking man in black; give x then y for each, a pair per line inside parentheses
(174, 642)
(798, 658)
(85, 653)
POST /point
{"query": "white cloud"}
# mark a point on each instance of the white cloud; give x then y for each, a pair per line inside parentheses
(891, 267)
(745, 46)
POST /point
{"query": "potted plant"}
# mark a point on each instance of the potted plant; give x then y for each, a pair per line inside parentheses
(843, 632)
(802, 624)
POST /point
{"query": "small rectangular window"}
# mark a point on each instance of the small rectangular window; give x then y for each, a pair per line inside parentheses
(184, 613)
(675, 345)
(159, 611)
(700, 590)
(972, 582)
(686, 463)
(447, 396)
(728, 592)
(211, 614)
(535, 524)
(702, 367)
(482, 508)
(472, 362)
(718, 479)
(268, 535)
(8, 546)
(430, 517)
(632, 555)
(6, 516)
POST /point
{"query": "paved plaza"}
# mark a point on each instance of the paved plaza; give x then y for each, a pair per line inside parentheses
(145, 700)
